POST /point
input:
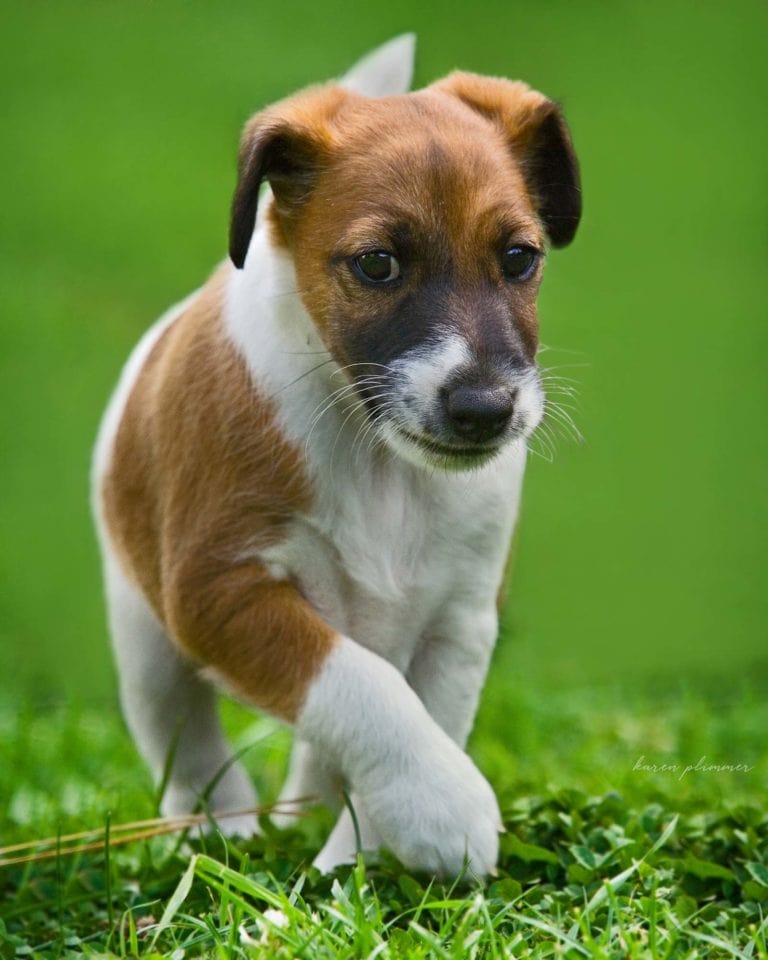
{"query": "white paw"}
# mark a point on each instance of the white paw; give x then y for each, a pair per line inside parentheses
(240, 825)
(285, 818)
(441, 816)
(309, 782)
(235, 824)
(232, 804)
(342, 845)
(331, 857)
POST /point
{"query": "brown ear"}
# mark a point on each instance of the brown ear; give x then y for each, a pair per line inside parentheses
(284, 144)
(540, 141)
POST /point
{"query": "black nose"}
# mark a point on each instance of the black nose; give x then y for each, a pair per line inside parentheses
(478, 414)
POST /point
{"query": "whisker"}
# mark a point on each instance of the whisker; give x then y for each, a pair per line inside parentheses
(538, 453)
(338, 396)
(565, 405)
(548, 348)
(544, 438)
(370, 429)
(335, 398)
(559, 417)
(302, 376)
(366, 422)
(548, 376)
(357, 406)
(303, 353)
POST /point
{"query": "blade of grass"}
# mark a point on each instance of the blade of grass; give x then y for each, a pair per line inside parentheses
(108, 871)
(178, 897)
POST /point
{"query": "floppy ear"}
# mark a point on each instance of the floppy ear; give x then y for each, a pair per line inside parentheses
(540, 141)
(284, 144)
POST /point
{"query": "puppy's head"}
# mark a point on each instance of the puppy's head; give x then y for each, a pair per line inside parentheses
(418, 225)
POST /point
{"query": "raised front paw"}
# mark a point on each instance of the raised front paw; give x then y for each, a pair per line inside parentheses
(441, 816)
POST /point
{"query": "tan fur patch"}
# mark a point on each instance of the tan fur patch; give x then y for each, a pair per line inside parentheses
(200, 477)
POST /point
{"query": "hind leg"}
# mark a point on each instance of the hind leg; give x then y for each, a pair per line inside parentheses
(341, 846)
(309, 776)
(169, 709)
(308, 779)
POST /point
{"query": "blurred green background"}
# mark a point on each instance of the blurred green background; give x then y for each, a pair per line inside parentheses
(641, 554)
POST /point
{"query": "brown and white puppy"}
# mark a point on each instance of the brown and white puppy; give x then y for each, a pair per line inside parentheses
(308, 477)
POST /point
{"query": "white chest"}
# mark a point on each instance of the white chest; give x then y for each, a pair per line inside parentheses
(386, 551)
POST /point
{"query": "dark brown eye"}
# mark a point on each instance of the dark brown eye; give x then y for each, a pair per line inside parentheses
(376, 267)
(518, 263)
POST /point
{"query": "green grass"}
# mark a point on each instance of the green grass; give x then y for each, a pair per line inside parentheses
(603, 857)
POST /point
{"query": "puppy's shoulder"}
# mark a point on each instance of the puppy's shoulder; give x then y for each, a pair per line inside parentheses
(198, 455)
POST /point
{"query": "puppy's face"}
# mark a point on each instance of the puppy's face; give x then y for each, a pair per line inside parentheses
(417, 226)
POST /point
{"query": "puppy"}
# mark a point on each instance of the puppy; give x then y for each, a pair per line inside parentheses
(306, 482)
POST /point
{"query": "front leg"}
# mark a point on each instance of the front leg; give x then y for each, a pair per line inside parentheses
(422, 795)
(449, 668)
(419, 792)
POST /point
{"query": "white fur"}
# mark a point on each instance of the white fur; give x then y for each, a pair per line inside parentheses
(421, 793)
(426, 369)
(342, 844)
(386, 70)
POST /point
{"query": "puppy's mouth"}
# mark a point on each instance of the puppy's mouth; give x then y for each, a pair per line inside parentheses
(460, 454)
